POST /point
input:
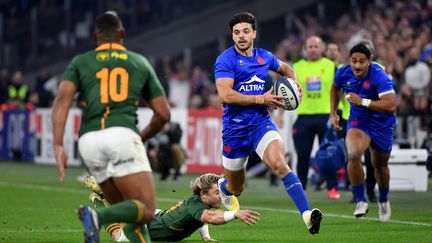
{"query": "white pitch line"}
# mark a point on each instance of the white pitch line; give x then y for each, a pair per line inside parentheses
(351, 217)
(44, 231)
(62, 189)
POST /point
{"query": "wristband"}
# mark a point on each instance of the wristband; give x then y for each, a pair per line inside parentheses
(229, 216)
(259, 99)
(366, 102)
(204, 231)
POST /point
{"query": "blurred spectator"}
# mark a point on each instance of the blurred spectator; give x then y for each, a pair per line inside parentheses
(201, 88)
(44, 97)
(333, 52)
(417, 78)
(18, 92)
(179, 83)
(52, 85)
(4, 84)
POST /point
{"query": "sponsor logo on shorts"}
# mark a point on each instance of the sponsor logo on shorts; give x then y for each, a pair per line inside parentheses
(124, 161)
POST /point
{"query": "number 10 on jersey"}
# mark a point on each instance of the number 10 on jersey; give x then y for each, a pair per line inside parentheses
(108, 84)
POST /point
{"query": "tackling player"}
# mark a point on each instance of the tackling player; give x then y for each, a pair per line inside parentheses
(370, 124)
(185, 217)
(111, 80)
(240, 72)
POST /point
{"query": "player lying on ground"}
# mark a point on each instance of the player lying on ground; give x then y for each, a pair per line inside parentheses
(185, 217)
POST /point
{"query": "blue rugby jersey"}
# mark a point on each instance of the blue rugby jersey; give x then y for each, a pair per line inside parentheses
(249, 74)
(375, 82)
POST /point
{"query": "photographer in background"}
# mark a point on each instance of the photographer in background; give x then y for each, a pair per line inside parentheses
(165, 151)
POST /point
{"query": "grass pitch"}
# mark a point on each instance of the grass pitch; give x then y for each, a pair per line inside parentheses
(36, 207)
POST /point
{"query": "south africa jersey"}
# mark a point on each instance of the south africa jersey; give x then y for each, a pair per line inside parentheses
(178, 222)
(375, 84)
(111, 80)
(249, 74)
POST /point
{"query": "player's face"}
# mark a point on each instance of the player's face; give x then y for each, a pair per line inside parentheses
(243, 36)
(359, 64)
(212, 198)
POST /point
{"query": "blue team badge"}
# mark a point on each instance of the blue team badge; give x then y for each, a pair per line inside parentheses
(313, 85)
(241, 62)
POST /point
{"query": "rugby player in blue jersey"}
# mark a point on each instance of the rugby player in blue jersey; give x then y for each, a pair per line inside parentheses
(370, 124)
(240, 72)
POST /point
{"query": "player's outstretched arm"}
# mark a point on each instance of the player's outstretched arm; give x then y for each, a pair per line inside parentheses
(60, 112)
(222, 217)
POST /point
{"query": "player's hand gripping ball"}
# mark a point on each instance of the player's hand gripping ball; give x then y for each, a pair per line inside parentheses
(287, 88)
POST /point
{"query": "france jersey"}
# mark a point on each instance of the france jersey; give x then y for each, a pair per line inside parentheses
(245, 127)
(378, 125)
(249, 74)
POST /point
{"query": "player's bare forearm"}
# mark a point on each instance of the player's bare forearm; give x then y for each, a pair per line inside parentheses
(161, 115)
(218, 217)
(214, 217)
(60, 110)
(387, 103)
(286, 70)
(230, 96)
(335, 96)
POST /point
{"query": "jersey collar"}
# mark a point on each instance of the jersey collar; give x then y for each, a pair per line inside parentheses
(112, 46)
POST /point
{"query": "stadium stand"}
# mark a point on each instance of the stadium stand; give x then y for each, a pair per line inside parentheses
(39, 38)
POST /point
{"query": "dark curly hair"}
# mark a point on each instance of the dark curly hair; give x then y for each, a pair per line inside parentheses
(244, 17)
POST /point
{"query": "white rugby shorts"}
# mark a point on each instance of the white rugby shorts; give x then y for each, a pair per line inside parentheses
(113, 152)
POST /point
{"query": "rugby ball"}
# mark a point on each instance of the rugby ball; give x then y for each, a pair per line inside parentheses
(287, 88)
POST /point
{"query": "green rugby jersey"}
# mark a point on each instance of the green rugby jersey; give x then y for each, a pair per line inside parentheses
(178, 222)
(111, 80)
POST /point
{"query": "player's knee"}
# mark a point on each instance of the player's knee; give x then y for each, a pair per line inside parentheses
(382, 169)
(354, 157)
(237, 192)
(281, 169)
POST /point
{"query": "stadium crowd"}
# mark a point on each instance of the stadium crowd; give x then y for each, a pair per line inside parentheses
(400, 31)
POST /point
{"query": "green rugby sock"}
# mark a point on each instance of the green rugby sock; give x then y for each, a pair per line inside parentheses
(137, 233)
(109, 227)
(130, 211)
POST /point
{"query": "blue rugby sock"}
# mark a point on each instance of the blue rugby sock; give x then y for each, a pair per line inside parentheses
(383, 194)
(359, 192)
(223, 187)
(295, 190)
